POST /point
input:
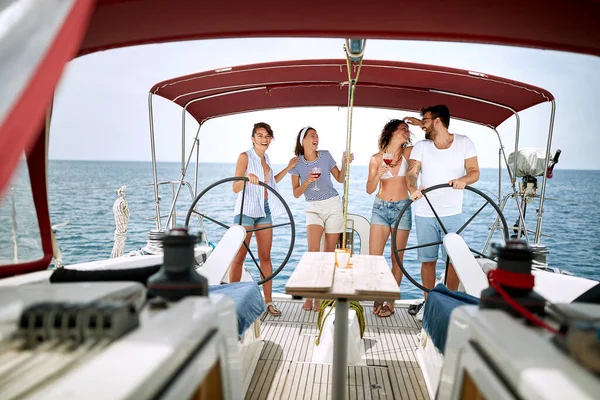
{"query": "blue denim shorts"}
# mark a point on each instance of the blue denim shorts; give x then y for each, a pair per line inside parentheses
(430, 231)
(386, 212)
(251, 221)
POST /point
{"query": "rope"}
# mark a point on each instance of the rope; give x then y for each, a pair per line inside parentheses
(354, 305)
(13, 219)
(121, 214)
(498, 277)
(352, 89)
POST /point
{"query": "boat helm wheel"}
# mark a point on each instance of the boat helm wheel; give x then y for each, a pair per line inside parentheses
(396, 251)
(272, 192)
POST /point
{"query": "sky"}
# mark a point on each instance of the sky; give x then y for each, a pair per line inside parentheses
(101, 106)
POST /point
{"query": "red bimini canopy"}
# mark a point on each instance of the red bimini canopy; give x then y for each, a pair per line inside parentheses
(551, 24)
(547, 24)
(470, 96)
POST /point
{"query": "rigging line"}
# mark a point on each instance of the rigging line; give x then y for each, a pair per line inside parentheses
(106, 187)
(351, 89)
(13, 215)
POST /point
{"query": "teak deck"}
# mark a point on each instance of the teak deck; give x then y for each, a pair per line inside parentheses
(285, 371)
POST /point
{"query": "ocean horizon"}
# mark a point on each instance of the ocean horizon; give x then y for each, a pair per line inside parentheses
(81, 195)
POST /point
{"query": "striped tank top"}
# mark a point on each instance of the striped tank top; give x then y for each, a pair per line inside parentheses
(254, 204)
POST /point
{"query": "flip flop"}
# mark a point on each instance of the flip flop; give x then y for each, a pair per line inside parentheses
(377, 307)
(413, 309)
(385, 309)
(276, 312)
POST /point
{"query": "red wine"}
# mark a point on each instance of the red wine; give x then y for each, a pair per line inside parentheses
(317, 175)
(388, 161)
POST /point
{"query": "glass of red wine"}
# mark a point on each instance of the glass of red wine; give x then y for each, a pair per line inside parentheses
(316, 172)
(387, 159)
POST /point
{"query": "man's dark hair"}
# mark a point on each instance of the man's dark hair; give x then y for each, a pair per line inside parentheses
(440, 111)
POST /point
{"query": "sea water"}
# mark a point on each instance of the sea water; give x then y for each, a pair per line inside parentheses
(81, 194)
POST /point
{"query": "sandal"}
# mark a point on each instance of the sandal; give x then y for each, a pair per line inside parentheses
(377, 307)
(386, 309)
(276, 312)
(413, 309)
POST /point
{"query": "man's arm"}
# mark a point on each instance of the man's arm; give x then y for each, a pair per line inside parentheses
(472, 176)
(412, 175)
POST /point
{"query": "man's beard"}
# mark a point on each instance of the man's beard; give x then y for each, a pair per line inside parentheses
(430, 133)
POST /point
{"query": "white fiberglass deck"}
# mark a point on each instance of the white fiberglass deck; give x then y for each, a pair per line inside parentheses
(285, 370)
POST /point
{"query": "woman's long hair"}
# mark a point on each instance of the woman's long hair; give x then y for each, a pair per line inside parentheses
(388, 131)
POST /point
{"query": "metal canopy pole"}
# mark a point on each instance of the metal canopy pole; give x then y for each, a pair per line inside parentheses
(183, 172)
(512, 182)
(538, 228)
(154, 174)
(197, 161)
(499, 175)
(183, 141)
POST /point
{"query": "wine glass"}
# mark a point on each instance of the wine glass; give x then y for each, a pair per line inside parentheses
(387, 159)
(316, 171)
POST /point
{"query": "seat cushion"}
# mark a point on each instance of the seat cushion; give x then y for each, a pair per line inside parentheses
(438, 307)
(249, 303)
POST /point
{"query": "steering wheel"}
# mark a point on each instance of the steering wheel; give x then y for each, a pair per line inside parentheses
(226, 226)
(395, 251)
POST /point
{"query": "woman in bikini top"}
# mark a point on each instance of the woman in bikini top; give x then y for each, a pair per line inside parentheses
(387, 170)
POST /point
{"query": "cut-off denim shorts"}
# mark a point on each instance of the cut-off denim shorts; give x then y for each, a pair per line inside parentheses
(251, 221)
(386, 212)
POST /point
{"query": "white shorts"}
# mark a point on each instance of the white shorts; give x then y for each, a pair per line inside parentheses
(326, 213)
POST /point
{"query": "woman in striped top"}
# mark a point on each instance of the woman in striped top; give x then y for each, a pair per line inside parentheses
(258, 205)
(323, 209)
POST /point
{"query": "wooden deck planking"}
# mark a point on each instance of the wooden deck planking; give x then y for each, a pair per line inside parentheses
(285, 369)
(292, 312)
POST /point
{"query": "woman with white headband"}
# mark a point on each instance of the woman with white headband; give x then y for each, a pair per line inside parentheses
(254, 164)
(312, 177)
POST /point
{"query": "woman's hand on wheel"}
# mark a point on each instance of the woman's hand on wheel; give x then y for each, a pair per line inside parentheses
(252, 178)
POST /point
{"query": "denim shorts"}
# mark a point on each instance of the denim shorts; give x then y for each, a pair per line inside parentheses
(386, 212)
(430, 231)
(251, 221)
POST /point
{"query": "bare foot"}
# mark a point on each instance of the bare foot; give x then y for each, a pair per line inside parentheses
(317, 305)
(307, 305)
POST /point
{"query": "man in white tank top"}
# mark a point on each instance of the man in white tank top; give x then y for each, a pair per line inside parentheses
(441, 158)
